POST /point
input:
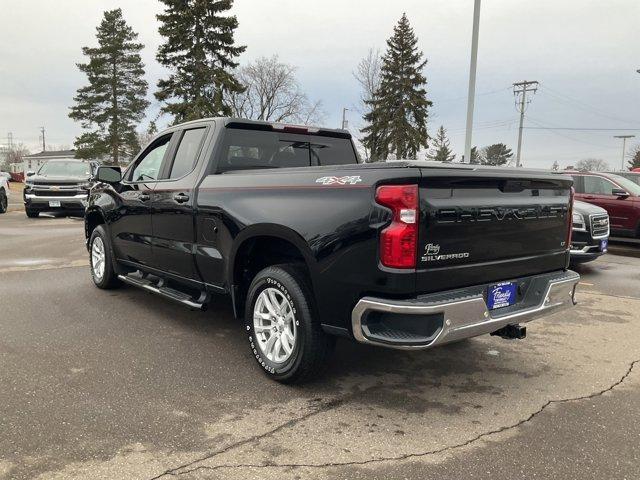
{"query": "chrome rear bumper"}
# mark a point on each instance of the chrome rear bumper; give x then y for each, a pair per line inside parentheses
(467, 316)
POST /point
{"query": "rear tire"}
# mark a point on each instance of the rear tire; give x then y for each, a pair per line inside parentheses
(4, 201)
(285, 339)
(101, 260)
(32, 213)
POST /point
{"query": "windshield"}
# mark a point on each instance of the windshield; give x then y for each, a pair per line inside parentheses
(634, 177)
(630, 186)
(71, 169)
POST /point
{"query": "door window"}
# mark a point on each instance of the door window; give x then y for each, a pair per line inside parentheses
(148, 165)
(597, 185)
(187, 152)
(578, 184)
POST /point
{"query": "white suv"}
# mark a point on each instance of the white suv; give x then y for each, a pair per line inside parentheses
(4, 194)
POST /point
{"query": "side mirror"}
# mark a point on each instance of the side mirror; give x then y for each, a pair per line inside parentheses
(30, 173)
(619, 192)
(109, 174)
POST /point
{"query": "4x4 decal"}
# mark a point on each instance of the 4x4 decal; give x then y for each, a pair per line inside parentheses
(348, 180)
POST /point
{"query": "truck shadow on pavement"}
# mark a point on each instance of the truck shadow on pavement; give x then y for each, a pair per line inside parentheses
(352, 365)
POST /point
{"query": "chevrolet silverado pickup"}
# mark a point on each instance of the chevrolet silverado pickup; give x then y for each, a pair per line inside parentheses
(311, 244)
(58, 186)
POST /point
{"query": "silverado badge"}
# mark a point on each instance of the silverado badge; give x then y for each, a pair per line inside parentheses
(432, 254)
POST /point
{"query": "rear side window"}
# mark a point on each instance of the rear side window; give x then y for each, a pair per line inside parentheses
(577, 184)
(187, 152)
(250, 149)
(597, 185)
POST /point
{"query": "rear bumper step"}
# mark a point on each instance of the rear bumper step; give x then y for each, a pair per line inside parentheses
(436, 319)
(167, 292)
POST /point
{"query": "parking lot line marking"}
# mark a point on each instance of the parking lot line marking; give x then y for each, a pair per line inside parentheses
(587, 284)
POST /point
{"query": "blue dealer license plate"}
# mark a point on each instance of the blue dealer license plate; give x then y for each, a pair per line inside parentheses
(502, 295)
(604, 244)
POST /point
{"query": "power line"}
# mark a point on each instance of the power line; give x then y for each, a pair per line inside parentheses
(490, 92)
(584, 129)
(579, 104)
(555, 132)
(521, 89)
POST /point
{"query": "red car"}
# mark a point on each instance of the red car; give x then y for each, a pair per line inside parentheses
(619, 196)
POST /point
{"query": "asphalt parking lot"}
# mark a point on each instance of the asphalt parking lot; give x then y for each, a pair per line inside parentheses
(122, 384)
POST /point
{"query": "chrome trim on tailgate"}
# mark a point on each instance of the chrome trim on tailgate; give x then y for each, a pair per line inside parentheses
(468, 316)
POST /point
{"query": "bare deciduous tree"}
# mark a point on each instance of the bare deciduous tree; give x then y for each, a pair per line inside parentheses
(272, 93)
(592, 165)
(367, 75)
(15, 154)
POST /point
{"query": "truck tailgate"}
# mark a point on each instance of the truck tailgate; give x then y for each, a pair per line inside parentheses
(483, 226)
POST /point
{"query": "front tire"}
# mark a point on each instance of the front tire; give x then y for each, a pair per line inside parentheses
(285, 338)
(32, 213)
(101, 260)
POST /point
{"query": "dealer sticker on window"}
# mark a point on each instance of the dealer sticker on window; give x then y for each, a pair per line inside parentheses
(502, 295)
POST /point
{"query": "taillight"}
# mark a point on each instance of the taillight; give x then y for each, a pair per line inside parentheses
(570, 218)
(399, 241)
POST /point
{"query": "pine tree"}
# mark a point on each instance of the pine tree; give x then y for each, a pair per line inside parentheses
(113, 102)
(199, 51)
(397, 121)
(496, 154)
(634, 161)
(440, 150)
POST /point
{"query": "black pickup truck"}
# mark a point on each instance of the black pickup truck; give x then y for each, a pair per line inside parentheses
(312, 244)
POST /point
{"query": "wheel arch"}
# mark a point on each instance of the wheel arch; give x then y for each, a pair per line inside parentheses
(260, 246)
(93, 217)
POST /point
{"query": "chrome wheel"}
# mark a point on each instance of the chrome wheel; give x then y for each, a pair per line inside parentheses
(274, 324)
(98, 258)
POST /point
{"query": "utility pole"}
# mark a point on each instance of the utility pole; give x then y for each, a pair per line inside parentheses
(472, 80)
(624, 147)
(345, 122)
(44, 145)
(522, 88)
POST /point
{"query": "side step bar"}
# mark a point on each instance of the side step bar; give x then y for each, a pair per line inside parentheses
(167, 292)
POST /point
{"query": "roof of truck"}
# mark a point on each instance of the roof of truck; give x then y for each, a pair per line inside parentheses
(244, 121)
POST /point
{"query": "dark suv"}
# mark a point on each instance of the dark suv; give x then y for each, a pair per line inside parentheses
(590, 238)
(619, 196)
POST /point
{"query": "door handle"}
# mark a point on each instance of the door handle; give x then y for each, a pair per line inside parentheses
(143, 197)
(181, 197)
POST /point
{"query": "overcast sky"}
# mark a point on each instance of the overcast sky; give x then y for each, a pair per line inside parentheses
(585, 54)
